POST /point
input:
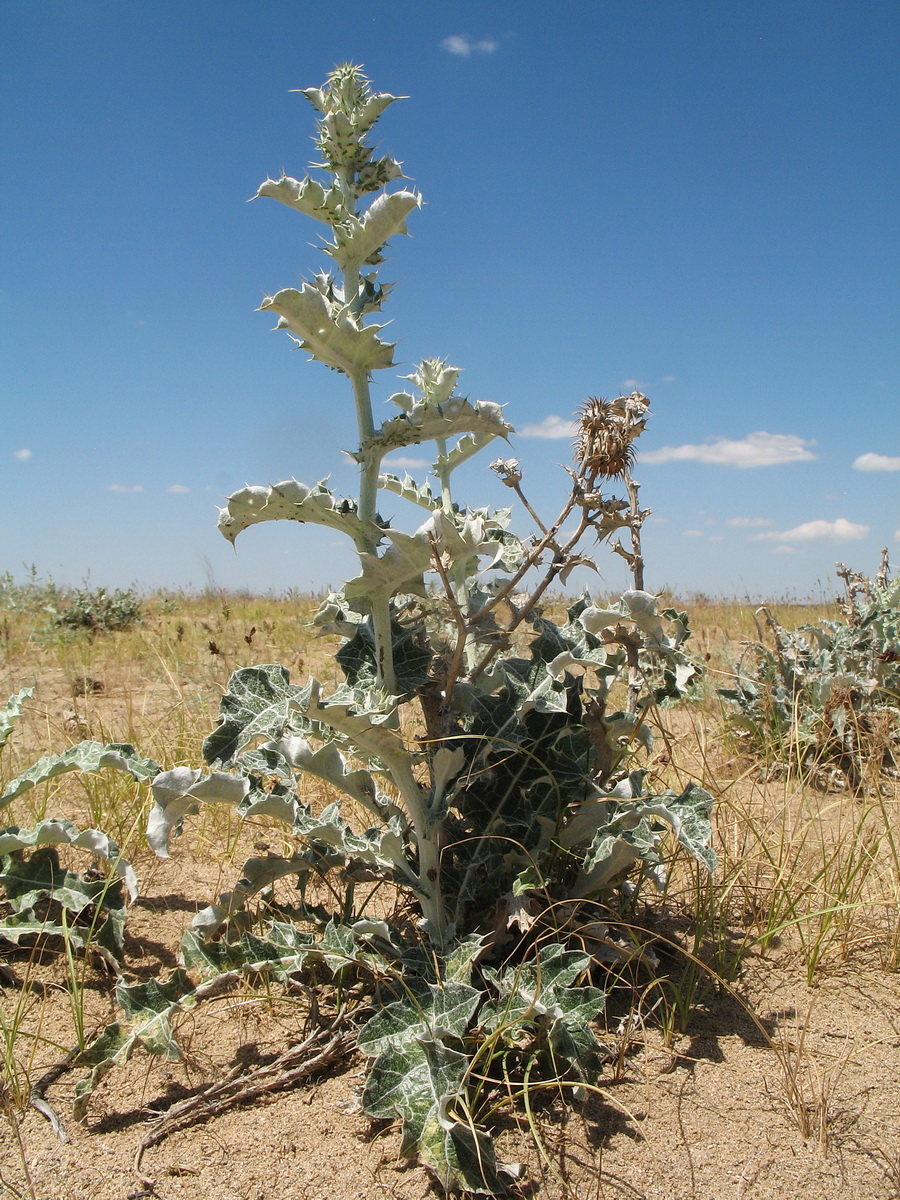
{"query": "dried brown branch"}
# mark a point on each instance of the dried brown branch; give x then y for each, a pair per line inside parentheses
(324, 1047)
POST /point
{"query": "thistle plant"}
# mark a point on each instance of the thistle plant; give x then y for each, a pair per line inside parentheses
(824, 699)
(491, 746)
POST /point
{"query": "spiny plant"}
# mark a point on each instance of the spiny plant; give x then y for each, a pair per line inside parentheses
(492, 745)
(826, 697)
(99, 611)
(41, 897)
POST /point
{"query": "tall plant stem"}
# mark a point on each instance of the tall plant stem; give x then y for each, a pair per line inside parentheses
(634, 526)
(370, 465)
(428, 842)
(637, 575)
(457, 587)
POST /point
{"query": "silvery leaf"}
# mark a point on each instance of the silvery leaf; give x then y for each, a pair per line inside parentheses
(179, 792)
(86, 756)
(359, 240)
(11, 713)
(329, 332)
(63, 833)
(424, 422)
(306, 196)
(293, 501)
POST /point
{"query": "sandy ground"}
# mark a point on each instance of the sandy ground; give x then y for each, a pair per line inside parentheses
(713, 1114)
(803, 1101)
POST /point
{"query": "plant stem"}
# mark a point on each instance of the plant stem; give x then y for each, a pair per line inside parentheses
(427, 835)
(370, 465)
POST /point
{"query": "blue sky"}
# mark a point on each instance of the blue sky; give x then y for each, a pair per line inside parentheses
(698, 199)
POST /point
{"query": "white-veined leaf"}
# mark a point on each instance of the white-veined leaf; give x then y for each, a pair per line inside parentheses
(60, 832)
(86, 756)
(12, 711)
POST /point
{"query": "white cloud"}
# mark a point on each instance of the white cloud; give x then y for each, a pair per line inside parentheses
(755, 450)
(403, 461)
(464, 46)
(748, 522)
(629, 383)
(668, 379)
(876, 462)
(551, 427)
(22, 455)
(121, 487)
(840, 530)
(716, 537)
(178, 487)
(785, 550)
(691, 533)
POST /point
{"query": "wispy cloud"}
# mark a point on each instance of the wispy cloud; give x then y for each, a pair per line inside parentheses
(551, 427)
(840, 530)
(748, 522)
(692, 533)
(178, 487)
(464, 46)
(876, 462)
(755, 450)
(121, 487)
(403, 462)
(22, 455)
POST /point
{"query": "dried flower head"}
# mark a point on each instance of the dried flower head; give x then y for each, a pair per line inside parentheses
(606, 432)
(603, 447)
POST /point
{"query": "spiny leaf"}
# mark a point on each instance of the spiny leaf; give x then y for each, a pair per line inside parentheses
(359, 240)
(179, 792)
(11, 713)
(632, 832)
(408, 489)
(257, 703)
(293, 501)
(330, 332)
(149, 1009)
(437, 1010)
(411, 656)
(86, 756)
(306, 196)
(329, 764)
(63, 833)
(424, 422)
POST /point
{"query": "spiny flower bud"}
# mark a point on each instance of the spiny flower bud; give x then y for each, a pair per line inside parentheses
(349, 109)
(508, 469)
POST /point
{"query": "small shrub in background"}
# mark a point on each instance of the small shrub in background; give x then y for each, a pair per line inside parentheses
(824, 699)
(33, 596)
(100, 611)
